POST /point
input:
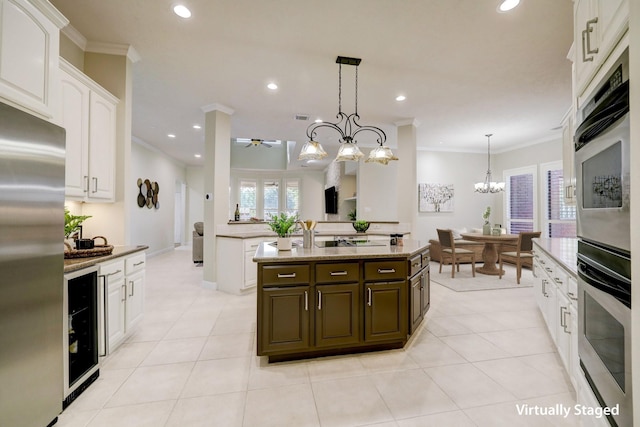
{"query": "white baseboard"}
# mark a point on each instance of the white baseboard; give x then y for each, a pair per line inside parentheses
(210, 285)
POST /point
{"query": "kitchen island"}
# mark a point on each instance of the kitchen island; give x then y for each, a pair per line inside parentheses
(323, 301)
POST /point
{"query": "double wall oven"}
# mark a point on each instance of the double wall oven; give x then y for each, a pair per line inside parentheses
(602, 149)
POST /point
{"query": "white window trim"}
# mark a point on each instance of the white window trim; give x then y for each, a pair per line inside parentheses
(536, 196)
(260, 179)
(544, 208)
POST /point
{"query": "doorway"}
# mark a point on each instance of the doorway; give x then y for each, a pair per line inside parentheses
(180, 207)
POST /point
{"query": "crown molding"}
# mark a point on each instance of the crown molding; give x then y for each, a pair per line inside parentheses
(114, 49)
(75, 36)
(51, 12)
(217, 107)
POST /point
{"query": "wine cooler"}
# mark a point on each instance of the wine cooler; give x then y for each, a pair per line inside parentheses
(80, 337)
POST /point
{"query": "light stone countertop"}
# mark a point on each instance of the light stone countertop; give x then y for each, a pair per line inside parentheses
(74, 264)
(267, 233)
(563, 250)
(267, 252)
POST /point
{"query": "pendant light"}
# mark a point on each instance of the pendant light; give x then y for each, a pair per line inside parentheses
(489, 186)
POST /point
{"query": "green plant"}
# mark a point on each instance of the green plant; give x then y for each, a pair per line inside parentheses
(352, 215)
(486, 214)
(283, 224)
(72, 222)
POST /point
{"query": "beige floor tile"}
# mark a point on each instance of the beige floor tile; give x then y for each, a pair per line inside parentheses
(505, 415)
(479, 322)
(175, 351)
(385, 361)
(442, 326)
(517, 319)
(266, 375)
(291, 405)
(349, 402)
(468, 386)
(143, 415)
(186, 328)
(128, 355)
(75, 418)
(565, 400)
(474, 347)
(101, 390)
(431, 351)
(207, 411)
(522, 380)
(327, 368)
(151, 384)
(444, 419)
(230, 345)
(521, 342)
(219, 376)
(149, 330)
(412, 393)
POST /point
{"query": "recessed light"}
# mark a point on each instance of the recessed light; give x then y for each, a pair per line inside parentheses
(170, 135)
(400, 98)
(507, 5)
(197, 156)
(182, 11)
(272, 86)
(197, 127)
(318, 120)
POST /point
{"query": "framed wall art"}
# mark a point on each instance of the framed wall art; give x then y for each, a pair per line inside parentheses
(435, 197)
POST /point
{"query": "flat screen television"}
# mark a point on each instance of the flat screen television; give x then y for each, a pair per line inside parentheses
(331, 200)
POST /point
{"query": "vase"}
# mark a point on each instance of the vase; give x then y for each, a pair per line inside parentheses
(486, 229)
(283, 243)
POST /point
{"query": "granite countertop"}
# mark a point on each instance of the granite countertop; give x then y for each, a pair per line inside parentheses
(74, 264)
(266, 233)
(563, 250)
(267, 252)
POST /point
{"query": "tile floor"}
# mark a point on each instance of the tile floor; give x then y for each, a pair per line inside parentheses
(192, 363)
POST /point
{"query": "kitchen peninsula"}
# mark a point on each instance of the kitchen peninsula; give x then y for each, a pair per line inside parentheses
(323, 301)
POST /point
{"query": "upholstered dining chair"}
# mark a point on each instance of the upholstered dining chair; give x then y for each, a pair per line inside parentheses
(524, 248)
(455, 255)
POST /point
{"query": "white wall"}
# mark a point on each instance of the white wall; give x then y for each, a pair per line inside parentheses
(195, 198)
(154, 227)
(377, 191)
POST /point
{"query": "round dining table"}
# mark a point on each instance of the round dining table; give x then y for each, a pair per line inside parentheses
(490, 250)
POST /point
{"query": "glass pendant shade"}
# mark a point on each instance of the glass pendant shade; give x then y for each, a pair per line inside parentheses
(349, 152)
(312, 150)
(381, 155)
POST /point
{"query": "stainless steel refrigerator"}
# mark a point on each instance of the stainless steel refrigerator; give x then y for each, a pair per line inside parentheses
(32, 161)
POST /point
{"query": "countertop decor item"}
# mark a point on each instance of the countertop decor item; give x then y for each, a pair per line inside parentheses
(283, 225)
(486, 227)
(72, 223)
(97, 250)
(489, 186)
(361, 225)
(348, 127)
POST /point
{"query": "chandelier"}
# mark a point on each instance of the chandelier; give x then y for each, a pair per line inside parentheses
(489, 186)
(348, 127)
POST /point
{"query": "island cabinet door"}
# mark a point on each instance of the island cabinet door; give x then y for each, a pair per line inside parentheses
(385, 311)
(415, 303)
(337, 314)
(285, 319)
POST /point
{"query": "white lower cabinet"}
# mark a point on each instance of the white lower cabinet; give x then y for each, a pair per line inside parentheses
(122, 296)
(237, 273)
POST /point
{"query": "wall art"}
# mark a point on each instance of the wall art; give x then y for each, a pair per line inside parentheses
(148, 195)
(435, 197)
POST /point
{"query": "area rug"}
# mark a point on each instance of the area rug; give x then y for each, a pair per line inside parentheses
(464, 281)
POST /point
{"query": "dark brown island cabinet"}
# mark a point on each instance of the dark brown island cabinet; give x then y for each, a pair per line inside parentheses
(313, 304)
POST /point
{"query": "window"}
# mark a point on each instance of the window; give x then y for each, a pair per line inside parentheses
(292, 202)
(271, 198)
(263, 196)
(521, 203)
(559, 218)
(248, 200)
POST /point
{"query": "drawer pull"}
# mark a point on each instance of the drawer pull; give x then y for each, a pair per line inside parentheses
(113, 274)
(286, 275)
(369, 297)
(319, 300)
(386, 270)
(138, 263)
(572, 296)
(338, 273)
(415, 264)
(306, 301)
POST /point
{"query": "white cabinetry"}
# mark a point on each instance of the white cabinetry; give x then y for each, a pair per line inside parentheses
(122, 295)
(556, 294)
(237, 273)
(568, 168)
(598, 26)
(88, 113)
(29, 52)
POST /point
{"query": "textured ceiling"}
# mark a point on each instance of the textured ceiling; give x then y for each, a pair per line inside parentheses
(465, 69)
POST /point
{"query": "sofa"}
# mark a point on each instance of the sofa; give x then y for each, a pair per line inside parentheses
(197, 244)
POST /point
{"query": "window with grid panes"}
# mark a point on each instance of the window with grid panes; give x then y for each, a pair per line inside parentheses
(560, 218)
(271, 194)
(520, 210)
(248, 199)
(292, 196)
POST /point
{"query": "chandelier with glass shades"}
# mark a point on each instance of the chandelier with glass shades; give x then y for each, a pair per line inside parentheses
(348, 127)
(489, 186)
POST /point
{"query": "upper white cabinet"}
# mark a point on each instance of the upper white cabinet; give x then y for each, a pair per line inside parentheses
(598, 26)
(29, 51)
(88, 113)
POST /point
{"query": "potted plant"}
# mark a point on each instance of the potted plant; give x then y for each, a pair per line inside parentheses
(72, 223)
(361, 225)
(486, 228)
(284, 225)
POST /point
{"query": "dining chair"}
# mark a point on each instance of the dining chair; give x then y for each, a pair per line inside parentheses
(455, 255)
(524, 248)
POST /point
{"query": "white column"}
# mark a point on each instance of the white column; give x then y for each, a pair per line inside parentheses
(217, 171)
(407, 174)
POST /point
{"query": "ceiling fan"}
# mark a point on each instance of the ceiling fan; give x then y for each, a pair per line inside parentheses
(257, 142)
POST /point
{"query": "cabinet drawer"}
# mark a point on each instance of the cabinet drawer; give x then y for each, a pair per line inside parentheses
(425, 259)
(250, 245)
(342, 272)
(385, 270)
(415, 264)
(112, 270)
(135, 263)
(285, 274)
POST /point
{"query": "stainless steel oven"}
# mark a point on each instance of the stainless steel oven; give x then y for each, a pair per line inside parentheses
(604, 327)
(602, 162)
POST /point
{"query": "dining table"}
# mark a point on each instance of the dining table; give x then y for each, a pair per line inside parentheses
(490, 249)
